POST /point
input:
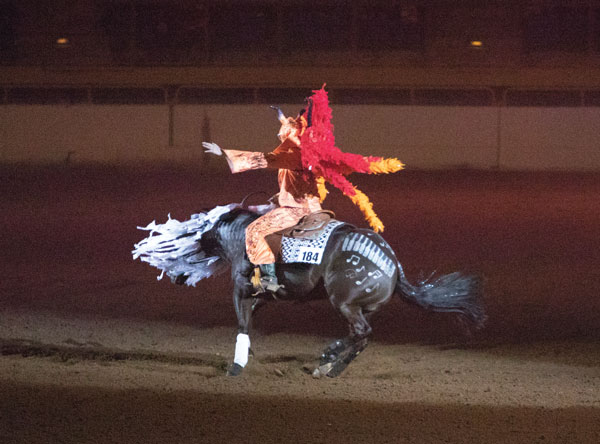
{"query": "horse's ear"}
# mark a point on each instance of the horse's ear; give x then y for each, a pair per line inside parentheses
(280, 114)
(243, 204)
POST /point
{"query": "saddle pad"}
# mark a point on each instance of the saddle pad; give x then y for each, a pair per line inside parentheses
(309, 251)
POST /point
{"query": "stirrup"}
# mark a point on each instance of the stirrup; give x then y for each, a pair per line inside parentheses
(271, 286)
(264, 284)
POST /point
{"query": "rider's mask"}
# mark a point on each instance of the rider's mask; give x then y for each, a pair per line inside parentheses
(291, 128)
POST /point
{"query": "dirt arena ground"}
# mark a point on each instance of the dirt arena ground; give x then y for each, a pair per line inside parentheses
(95, 350)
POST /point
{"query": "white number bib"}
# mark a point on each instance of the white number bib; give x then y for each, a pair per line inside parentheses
(309, 251)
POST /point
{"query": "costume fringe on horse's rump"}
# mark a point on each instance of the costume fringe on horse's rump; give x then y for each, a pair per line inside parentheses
(450, 293)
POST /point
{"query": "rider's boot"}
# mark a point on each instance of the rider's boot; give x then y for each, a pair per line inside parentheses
(268, 279)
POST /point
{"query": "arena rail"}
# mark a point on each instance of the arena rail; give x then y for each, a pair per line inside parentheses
(506, 128)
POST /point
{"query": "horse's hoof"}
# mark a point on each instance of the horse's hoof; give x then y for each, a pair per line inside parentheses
(322, 370)
(235, 370)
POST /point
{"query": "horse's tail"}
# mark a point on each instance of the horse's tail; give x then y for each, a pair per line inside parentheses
(452, 293)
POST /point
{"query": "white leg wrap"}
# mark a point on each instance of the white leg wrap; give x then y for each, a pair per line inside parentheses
(242, 345)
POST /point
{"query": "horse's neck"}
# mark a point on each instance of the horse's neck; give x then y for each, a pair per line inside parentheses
(232, 235)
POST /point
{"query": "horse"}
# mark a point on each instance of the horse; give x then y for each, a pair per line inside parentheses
(358, 274)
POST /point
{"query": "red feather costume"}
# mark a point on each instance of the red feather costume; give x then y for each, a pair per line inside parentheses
(327, 163)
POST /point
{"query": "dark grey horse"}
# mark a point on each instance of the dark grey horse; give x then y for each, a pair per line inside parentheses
(358, 273)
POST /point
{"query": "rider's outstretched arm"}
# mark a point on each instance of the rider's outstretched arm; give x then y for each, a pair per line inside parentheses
(286, 155)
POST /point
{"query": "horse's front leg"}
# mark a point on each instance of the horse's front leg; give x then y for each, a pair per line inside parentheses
(243, 303)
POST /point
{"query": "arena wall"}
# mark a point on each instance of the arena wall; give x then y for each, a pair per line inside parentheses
(528, 138)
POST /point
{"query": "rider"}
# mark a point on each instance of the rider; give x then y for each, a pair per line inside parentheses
(298, 192)
(306, 158)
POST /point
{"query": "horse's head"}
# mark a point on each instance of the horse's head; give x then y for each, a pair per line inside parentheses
(291, 128)
(188, 251)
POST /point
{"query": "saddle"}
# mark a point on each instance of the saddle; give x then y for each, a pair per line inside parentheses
(309, 227)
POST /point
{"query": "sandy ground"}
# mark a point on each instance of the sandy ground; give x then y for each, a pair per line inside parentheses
(95, 350)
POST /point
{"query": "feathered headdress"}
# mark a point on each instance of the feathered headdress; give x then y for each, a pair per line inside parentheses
(327, 163)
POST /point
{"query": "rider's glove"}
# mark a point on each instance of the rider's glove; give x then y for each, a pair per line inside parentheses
(212, 148)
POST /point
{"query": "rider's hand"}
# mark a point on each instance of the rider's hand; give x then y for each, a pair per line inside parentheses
(212, 148)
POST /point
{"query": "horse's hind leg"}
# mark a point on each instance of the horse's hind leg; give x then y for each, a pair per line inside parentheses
(359, 327)
(342, 352)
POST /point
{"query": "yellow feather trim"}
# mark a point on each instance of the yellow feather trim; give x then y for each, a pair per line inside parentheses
(322, 188)
(366, 207)
(385, 166)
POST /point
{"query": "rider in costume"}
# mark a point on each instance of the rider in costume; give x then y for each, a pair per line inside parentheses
(306, 158)
(297, 196)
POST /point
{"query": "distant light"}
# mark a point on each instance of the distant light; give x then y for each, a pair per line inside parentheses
(476, 43)
(62, 41)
